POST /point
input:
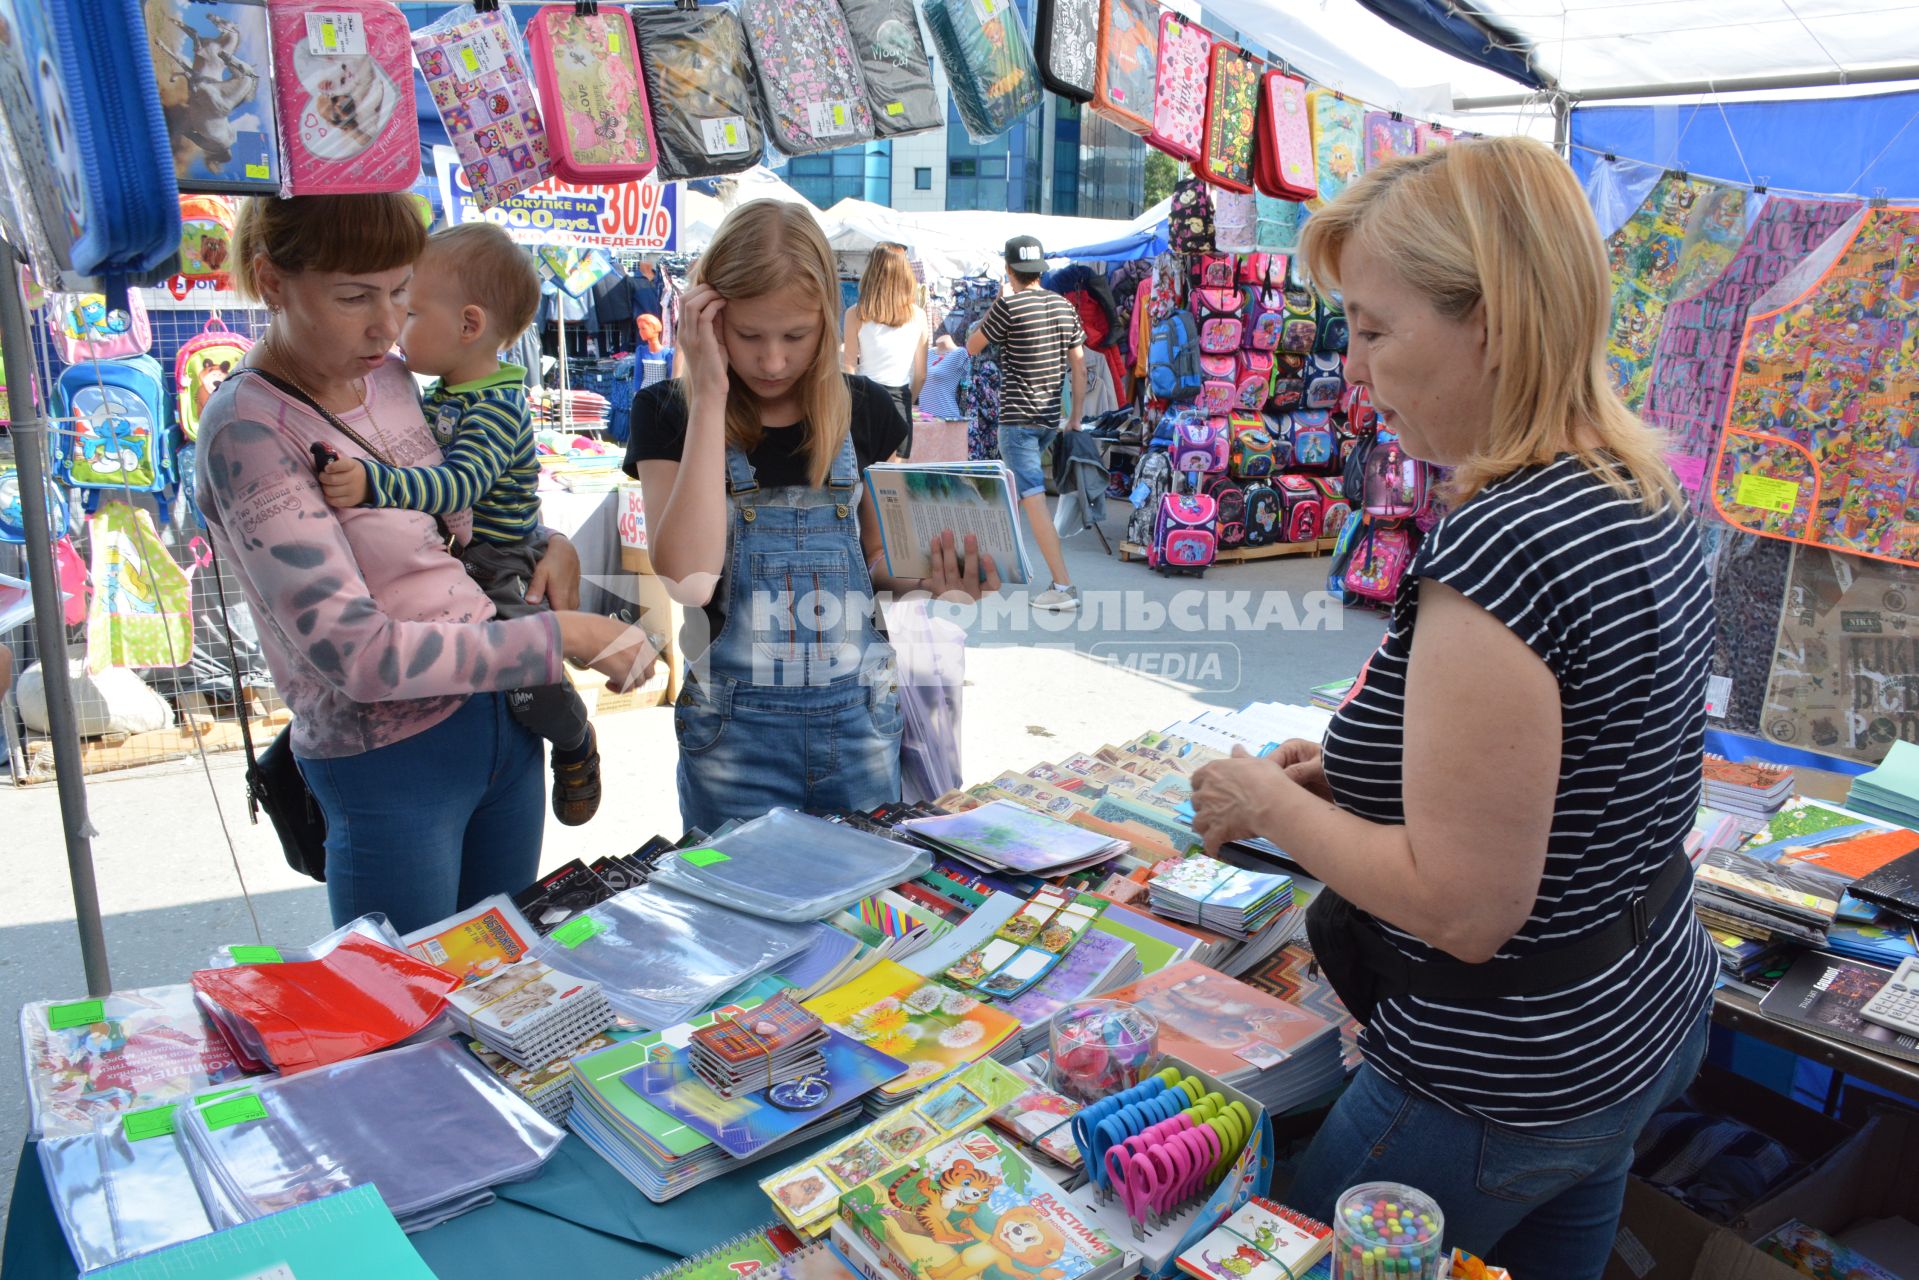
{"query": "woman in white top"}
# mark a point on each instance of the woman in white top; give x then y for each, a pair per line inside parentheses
(886, 332)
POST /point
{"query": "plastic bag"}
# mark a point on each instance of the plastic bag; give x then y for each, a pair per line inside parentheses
(788, 866)
(898, 72)
(476, 71)
(373, 926)
(700, 80)
(117, 1199)
(989, 63)
(932, 671)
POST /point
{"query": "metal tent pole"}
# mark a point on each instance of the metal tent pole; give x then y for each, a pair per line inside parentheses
(1695, 88)
(30, 433)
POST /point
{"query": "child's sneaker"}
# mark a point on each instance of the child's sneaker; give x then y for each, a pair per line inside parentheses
(576, 784)
(1057, 599)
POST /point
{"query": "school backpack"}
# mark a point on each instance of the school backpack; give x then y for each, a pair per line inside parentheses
(1393, 482)
(702, 90)
(1201, 443)
(1288, 387)
(1066, 46)
(1222, 319)
(344, 73)
(84, 329)
(811, 95)
(1356, 403)
(1325, 380)
(477, 73)
(206, 238)
(1128, 67)
(1252, 376)
(119, 425)
(988, 60)
(1332, 328)
(1334, 510)
(1180, 87)
(1219, 390)
(898, 72)
(13, 519)
(1232, 97)
(1266, 319)
(1263, 516)
(1189, 220)
(1152, 480)
(1256, 454)
(1283, 163)
(1263, 270)
(1173, 358)
(1309, 438)
(1230, 501)
(1299, 331)
(1300, 507)
(1216, 271)
(1380, 555)
(1185, 533)
(205, 361)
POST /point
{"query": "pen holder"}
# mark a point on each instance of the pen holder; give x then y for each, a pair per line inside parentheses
(1101, 1047)
(1384, 1230)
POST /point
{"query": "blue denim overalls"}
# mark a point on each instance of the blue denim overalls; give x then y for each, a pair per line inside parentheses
(796, 702)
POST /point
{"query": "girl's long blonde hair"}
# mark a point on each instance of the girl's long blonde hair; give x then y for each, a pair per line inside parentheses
(763, 247)
(1502, 221)
(887, 289)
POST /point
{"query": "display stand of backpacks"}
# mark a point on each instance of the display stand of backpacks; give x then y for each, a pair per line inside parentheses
(204, 362)
(1300, 506)
(1201, 443)
(484, 86)
(118, 425)
(1152, 480)
(701, 86)
(83, 329)
(1066, 46)
(1173, 370)
(346, 96)
(1283, 164)
(1264, 517)
(893, 59)
(1179, 87)
(1128, 66)
(812, 96)
(1232, 99)
(1256, 454)
(1229, 499)
(988, 61)
(1380, 555)
(1185, 534)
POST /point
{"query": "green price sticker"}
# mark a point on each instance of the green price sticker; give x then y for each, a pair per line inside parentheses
(224, 1115)
(260, 171)
(329, 35)
(78, 1014)
(702, 857)
(154, 1122)
(732, 136)
(1767, 494)
(472, 63)
(255, 955)
(577, 930)
(839, 113)
(896, 108)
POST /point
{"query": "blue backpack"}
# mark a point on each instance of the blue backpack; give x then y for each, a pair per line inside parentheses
(1174, 358)
(119, 432)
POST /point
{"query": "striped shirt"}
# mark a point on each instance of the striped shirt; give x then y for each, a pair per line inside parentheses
(1618, 605)
(485, 432)
(1035, 331)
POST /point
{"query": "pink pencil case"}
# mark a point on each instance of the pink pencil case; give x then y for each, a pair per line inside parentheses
(593, 94)
(343, 71)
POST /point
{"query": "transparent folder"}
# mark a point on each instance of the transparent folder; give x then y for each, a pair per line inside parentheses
(788, 866)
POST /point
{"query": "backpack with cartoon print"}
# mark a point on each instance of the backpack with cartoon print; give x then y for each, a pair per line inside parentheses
(203, 364)
(118, 425)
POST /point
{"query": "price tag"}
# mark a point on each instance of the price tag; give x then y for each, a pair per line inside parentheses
(896, 108)
(577, 930)
(988, 9)
(81, 1013)
(722, 135)
(829, 119)
(263, 173)
(702, 857)
(224, 1115)
(613, 42)
(1767, 494)
(1718, 694)
(336, 35)
(478, 56)
(154, 1122)
(255, 955)
(1172, 29)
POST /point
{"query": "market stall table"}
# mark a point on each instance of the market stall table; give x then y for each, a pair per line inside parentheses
(1739, 1012)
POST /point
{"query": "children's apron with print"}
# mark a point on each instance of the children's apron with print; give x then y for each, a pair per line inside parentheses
(796, 702)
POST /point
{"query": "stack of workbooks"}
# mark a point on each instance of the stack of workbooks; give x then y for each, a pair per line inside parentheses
(1230, 899)
(1764, 901)
(1890, 791)
(530, 1014)
(1098, 963)
(1748, 786)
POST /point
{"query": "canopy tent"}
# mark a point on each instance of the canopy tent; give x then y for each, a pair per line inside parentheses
(963, 242)
(1146, 238)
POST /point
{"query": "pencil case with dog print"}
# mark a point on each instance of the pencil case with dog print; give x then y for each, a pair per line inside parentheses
(344, 73)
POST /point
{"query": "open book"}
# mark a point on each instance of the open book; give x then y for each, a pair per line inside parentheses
(917, 501)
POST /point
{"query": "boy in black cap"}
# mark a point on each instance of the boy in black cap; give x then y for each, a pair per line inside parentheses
(1039, 337)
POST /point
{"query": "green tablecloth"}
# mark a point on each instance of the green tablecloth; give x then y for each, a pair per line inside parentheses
(578, 1209)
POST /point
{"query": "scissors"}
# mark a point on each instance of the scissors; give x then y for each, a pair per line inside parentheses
(1147, 1179)
(1201, 1145)
(1085, 1122)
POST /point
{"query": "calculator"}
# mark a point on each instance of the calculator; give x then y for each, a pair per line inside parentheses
(1897, 1004)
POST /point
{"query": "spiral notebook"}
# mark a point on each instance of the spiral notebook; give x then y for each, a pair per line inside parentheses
(1262, 1240)
(772, 1250)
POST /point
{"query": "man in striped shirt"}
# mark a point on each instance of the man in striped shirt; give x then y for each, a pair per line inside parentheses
(474, 292)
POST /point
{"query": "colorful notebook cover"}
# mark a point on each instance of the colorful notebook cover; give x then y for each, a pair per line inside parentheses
(349, 1236)
(930, 1027)
(475, 943)
(1263, 1240)
(1220, 1024)
(774, 1026)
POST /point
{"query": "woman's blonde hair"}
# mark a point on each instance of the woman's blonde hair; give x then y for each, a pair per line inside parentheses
(761, 248)
(1502, 221)
(324, 233)
(888, 290)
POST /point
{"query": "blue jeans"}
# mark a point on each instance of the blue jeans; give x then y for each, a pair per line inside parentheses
(1020, 447)
(1539, 1202)
(430, 824)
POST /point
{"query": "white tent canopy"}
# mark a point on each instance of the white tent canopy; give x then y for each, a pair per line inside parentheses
(965, 242)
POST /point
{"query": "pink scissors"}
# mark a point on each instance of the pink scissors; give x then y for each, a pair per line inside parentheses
(1138, 1181)
(1202, 1145)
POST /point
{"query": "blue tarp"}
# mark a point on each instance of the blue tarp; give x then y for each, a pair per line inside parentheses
(1438, 23)
(1138, 244)
(1837, 146)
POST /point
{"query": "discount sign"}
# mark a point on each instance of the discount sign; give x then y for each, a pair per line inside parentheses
(628, 215)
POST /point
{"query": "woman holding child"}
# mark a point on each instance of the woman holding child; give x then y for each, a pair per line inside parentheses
(386, 650)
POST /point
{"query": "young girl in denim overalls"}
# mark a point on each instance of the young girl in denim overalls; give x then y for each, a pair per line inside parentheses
(793, 701)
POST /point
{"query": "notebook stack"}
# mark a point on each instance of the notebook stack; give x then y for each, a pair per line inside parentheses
(768, 1046)
(1890, 791)
(1227, 899)
(1748, 786)
(1006, 836)
(1099, 963)
(1764, 901)
(530, 1014)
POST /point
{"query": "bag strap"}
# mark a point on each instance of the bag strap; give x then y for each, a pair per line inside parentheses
(239, 695)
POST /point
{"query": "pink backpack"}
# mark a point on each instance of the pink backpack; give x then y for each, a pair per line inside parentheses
(1222, 319)
(1219, 385)
(1334, 509)
(1201, 444)
(1253, 378)
(1300, 505)
(1216, 271)
(83, 329)
(1266, 320)
(1263, 270)
(1378, 563)
(1185, 533)
(1180, 90)
(347, 117)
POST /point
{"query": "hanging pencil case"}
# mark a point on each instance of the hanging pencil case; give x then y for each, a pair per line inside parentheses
(586, 62)
(344, 73)
(476, 70)
(1066, 46)
(1389, 135)
(1283, 140)
(1336, 141)
(1428, 136)
(1232, 100)
(811, 95)
(1128, 66)
(1179, 89)
(988, 60)
(214, 63)
(893, 59)
(700, 82)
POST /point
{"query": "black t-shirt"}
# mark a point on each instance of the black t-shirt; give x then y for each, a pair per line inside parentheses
(779, 460)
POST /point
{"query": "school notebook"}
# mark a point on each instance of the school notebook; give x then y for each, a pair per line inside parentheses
(349, 1236)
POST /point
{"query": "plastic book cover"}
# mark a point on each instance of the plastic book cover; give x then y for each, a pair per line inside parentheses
(972, 1206)
(560, 895)
(89, 1061)
(1011, 835)
(522, 997)
(930, 1027)
(1219, 1024)
(474, 943)
(214, 63)
(1043, 1120)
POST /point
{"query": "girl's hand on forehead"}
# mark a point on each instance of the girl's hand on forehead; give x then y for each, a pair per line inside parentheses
(705, 353)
